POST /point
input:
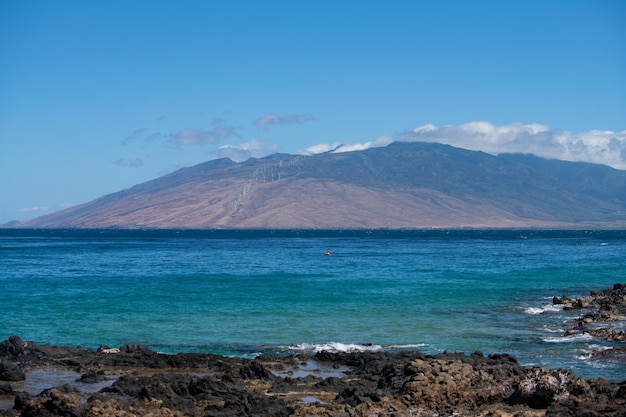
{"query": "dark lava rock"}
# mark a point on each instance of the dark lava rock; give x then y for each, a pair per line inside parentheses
(11, 371)
(93, 376)
(13, 346)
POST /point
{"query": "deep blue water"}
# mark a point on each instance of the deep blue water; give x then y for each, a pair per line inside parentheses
(248, 292)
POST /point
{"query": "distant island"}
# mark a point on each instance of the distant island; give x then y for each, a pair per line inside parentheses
(400, 186)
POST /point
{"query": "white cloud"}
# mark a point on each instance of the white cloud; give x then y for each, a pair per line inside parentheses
(345, 147)
(601, 147)
(426, 128)
(596, 146)
(201, 137)
(376, 143)
(268, 119)
(320, 148)
(274, 119)
(252, 149)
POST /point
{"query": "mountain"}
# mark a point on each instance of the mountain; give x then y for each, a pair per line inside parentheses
(402, 185)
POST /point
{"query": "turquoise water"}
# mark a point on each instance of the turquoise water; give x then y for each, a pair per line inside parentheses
(251, 292)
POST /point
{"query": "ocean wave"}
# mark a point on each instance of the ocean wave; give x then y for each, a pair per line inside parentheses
(350, 347)
(588, 354)
(335, 347)
(568, 339)
(548, 308)
(547, 329)
(409, 346)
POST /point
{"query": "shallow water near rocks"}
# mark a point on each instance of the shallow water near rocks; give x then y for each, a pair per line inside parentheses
(315, 368)
(42, 379)
(246, 293)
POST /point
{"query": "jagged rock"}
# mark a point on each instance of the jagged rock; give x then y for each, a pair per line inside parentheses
(609, 334)
(93, 376)
(13, 346)
(11, 371)
(406, 383)
(605, 306)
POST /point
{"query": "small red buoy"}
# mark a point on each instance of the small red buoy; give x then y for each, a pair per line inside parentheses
(327, 253)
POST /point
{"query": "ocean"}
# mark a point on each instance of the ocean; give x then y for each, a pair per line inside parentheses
(249, 292)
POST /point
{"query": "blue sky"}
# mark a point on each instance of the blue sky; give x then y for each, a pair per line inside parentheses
(97, 96)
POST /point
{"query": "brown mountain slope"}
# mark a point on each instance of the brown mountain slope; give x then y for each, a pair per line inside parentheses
(404, 185)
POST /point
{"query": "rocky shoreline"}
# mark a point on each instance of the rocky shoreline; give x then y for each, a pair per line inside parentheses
(603, 311)
(135, 381)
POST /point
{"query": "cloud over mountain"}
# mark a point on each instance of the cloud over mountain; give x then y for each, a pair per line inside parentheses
(602, 147)
(596, 146)
(251, 149)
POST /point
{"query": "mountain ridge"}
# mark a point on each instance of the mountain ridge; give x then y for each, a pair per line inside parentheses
(402, 185)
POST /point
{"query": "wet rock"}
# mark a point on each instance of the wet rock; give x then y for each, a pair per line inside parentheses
(93, 376)
(64, 389)
(567, 303)
(13, 346)
(606, 306)
(54, 404)
(616, 354)
(255, 369)
(6, 390)
(11, 371)
(609, 334)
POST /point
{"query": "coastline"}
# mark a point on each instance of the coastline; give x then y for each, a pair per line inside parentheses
(46, 380)
(133, 380)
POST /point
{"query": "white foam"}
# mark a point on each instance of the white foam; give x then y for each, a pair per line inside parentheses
(587, 353)
(551, 330)
(568, 339)
(547, 308)
(335, 347)
(409, 346)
